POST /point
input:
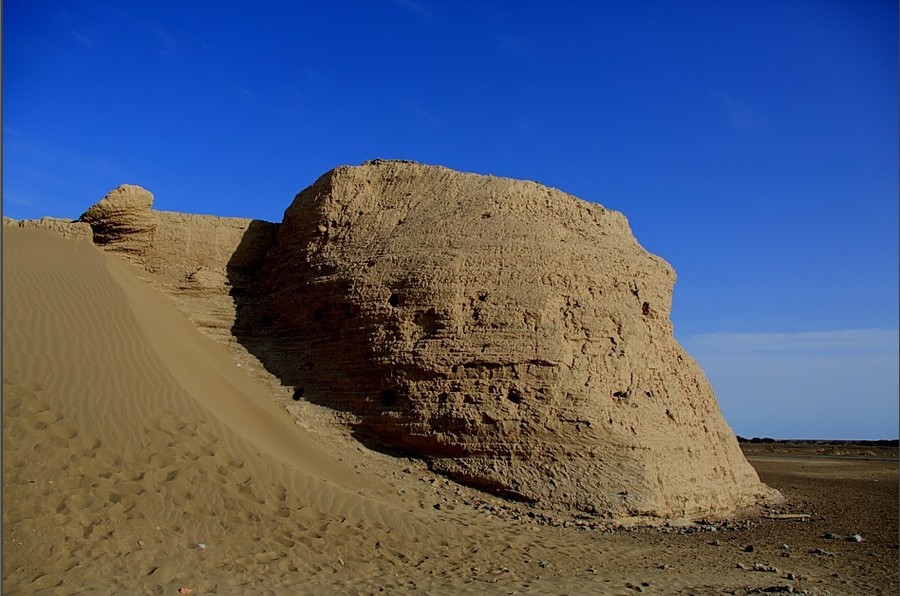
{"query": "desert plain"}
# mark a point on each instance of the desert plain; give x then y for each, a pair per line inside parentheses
(143, 456)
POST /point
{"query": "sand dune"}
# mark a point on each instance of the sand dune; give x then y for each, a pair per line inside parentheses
(139, 458)
(130, 439)
(125, 426)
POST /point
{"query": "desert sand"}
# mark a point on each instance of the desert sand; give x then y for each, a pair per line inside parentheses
(141, 455)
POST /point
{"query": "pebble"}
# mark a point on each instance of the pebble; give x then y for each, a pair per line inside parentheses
(765, 568)
(201, 546)
(855, 538)
(715, 543)
(824, 553)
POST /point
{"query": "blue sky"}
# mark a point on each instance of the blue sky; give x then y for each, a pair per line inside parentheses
(753, 145)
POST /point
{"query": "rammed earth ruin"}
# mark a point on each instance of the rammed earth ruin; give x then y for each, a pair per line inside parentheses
(514, 336)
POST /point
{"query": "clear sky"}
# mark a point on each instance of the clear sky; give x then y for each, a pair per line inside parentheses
(753, 145)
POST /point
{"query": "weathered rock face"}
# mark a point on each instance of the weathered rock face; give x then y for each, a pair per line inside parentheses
(206, 259)
(199, 260)
(122, 220)
(71, 230)
(517, 337)
(513, 335)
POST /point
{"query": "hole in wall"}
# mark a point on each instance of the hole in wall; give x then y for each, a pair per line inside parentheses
(388, 397)
(319, 312)
(428, 321)
(515, 396)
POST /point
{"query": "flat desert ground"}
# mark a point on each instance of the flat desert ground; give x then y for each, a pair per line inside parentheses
(140, 458)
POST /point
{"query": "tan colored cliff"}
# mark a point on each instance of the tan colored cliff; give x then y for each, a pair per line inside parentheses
(66, 228)
(198, 260)
(516, 337)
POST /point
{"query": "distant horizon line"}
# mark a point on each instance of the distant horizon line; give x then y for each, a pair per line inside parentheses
(860, 442)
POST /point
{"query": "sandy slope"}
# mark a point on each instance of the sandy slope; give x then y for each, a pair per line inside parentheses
(130, 438)
(126, 426)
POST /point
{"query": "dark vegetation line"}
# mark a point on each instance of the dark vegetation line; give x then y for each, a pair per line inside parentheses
(858, 442)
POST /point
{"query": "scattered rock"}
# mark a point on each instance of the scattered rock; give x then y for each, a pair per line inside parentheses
(856, 538)
(830, 536)
(824, 553)
(765, 568)
(789, 516)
